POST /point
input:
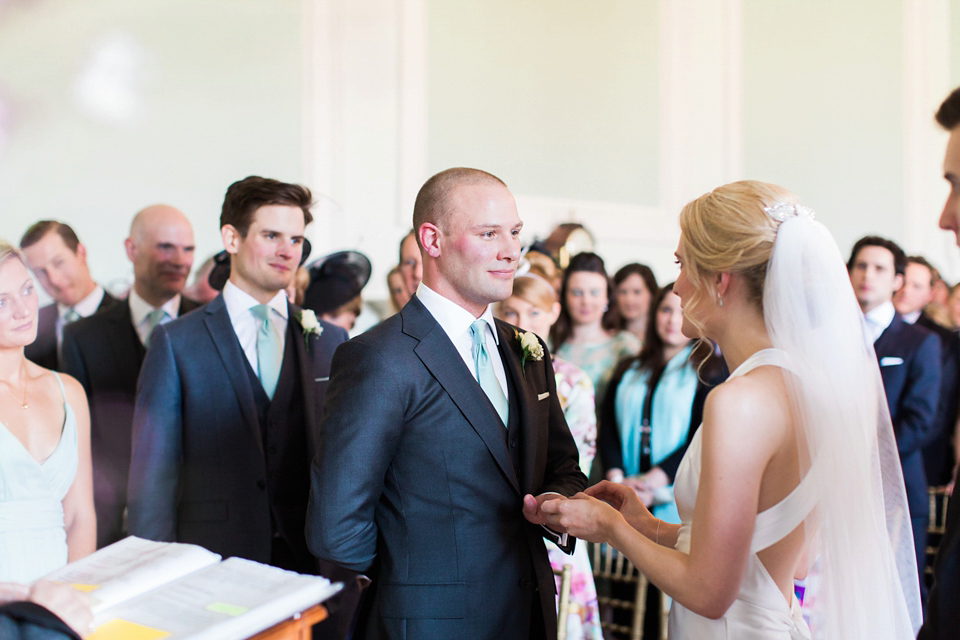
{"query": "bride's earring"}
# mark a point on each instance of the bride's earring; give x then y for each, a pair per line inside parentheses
(719, 301)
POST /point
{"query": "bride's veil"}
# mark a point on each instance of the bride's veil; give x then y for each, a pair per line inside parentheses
(860, 529)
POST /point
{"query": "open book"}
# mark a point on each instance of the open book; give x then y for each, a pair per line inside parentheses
(145, 590)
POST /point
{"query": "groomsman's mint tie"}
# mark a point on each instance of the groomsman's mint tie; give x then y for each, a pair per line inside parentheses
(483, 369)
(70, 316)
(153, 319)
(269, 355)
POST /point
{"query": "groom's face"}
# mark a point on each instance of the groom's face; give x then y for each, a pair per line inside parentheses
(480, 245)
(950, 217)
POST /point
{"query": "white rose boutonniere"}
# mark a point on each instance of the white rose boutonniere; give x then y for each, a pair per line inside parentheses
(310, 325)
(530, 348)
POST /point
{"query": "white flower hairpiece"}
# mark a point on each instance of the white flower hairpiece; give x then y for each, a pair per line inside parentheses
(782, 211)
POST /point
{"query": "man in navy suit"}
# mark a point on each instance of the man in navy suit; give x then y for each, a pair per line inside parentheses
(59, 261)
(943, 615)
(909, 357)
(104, 352)
(442, 437)
(910, 300)
(229, 398)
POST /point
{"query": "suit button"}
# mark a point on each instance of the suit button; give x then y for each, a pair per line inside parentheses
(524, 583)
(513, 444)
(261, 484)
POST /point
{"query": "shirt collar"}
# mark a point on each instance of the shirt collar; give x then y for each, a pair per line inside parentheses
(139, 308)
(452, 318)
(239, 301)
(882, 315)
(86, 307)
(912, 317)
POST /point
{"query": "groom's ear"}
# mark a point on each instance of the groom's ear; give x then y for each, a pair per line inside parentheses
(429, 236)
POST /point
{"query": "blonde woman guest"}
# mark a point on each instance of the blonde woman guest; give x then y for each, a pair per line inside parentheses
(534, 307)
(399, 296)
(587, 332)
(635, 287)
(46, 486)
(796, 459)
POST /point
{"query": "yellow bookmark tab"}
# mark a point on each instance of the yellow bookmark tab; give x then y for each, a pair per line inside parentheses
(118, 629)
(86, 588)
(226, 609)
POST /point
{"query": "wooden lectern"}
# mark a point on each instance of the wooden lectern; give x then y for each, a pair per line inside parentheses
(295, 628)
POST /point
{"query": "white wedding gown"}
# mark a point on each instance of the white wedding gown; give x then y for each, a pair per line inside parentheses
(760, 611)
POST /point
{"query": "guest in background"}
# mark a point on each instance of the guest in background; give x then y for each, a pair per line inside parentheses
(297, 289)
(200, 289)
(105, 351)
(411, 263)
(635, 285)
(911, 301)
(336, 283)
(533, 307)
(58, 260)
(46, 490)
(397, 289)
(587, 333)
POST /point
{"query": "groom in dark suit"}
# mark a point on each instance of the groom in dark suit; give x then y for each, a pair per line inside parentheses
(229, 397)
(442, 435)
(104, 352)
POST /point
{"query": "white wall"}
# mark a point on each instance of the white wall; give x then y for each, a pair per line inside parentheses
(611, 113)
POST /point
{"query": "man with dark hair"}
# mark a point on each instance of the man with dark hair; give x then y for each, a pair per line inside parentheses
(909, 358)
(104, 352)
(229, 399)
(910, 300)
(59, 261)
(943, 615)
(440, 428)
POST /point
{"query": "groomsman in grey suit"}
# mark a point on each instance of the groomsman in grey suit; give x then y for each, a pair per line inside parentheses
(442, 435)
(104, 352)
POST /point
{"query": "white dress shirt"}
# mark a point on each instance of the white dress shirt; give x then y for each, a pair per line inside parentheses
(85, 308)
(455, 322)
(912, 317)
(246, 325)
(139, 308)
(878, 319)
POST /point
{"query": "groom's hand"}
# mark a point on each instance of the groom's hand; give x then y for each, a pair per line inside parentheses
(532, 509)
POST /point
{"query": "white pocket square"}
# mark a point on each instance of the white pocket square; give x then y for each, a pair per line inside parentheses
(543, 396)
(321, 379)
(890, 361)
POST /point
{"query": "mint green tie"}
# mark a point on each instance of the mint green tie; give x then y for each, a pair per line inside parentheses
(483, 369)
(70, 316)
(269, 351)
(153, 319)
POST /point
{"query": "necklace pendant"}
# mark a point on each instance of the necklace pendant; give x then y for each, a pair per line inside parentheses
(24, 406)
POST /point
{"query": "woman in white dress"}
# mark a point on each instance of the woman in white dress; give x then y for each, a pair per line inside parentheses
(795, 462)
(46, 486)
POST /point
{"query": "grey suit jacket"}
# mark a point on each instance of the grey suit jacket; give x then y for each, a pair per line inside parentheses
(414, 482)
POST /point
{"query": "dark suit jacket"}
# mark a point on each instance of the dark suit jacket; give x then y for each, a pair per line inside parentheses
(415, 476)
(198, 472)
(29, 621)
(942, 620)
(43, 350)
(104, 353)
(909, 359)
(938, 453)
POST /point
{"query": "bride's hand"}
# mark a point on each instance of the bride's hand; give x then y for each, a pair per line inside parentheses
(583, 517)
(623, 499)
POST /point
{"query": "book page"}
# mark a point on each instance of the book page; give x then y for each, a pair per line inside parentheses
(131, 567)
(233, 599)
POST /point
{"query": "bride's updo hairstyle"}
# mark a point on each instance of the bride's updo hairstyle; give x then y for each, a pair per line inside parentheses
(728, 231)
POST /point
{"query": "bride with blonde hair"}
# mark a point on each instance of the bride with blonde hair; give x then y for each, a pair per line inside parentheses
(795, 462)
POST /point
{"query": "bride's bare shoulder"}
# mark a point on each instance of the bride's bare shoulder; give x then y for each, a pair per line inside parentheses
(754, 405)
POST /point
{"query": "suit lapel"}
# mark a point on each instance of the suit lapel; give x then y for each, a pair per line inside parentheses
(442, 360)
(221, 331)
(888, 336)
(305, 369)
(126, 348)
(524, 381)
